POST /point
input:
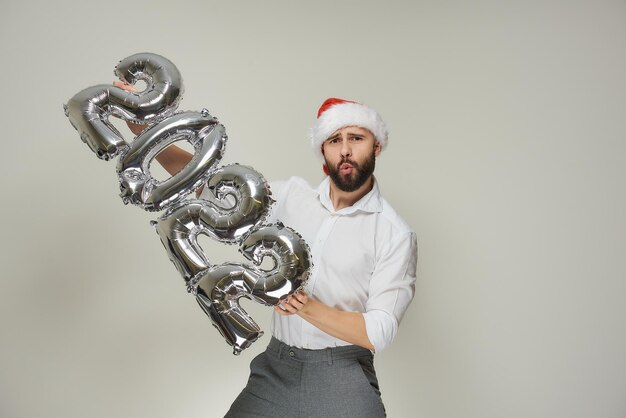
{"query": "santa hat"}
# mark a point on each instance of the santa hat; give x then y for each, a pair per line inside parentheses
(338, 113)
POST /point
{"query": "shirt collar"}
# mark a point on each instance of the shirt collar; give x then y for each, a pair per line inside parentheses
(371, 202)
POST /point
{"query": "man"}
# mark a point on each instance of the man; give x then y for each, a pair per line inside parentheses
(319, 362)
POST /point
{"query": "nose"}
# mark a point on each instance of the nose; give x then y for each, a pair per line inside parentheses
(346, 150)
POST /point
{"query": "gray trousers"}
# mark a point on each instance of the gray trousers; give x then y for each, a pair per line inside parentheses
(291, 382)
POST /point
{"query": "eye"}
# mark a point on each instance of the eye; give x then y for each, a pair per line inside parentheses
(356, 138)
(333, 140)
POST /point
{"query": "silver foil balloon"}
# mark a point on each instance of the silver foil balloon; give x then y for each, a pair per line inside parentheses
(137, 185)
(238, 200)
(236, 206)
(219, 288)
(89, 109)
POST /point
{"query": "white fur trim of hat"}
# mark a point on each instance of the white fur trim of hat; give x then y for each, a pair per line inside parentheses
(338, 113)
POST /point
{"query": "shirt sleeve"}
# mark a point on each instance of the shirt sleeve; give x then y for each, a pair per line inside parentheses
(277, 189)
(392, 288)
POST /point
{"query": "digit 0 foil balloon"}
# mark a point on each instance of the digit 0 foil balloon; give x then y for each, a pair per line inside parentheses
(234, 212)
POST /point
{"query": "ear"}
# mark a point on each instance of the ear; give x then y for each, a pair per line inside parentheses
(377, 148)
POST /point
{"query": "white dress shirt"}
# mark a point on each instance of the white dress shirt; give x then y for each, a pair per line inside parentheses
(364, 260)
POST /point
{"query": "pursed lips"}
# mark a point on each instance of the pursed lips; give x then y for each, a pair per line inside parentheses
(345, 168)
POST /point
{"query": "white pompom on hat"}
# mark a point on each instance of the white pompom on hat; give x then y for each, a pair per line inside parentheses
(338, 113)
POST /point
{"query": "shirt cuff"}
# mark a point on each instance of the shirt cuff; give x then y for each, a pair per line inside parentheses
(381, 328)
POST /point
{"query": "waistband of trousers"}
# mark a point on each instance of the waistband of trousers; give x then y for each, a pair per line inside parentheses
(306, 355)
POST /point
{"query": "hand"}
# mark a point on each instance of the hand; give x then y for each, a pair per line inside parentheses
(294, 304)
(135, 128)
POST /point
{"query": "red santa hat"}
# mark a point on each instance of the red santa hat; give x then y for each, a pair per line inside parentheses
(338, 113)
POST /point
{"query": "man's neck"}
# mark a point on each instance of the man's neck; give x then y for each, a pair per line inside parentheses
(341, 199)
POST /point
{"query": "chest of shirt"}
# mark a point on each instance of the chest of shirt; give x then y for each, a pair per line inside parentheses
(344, 251)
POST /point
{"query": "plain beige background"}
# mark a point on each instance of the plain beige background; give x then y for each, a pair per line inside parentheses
(507, 155)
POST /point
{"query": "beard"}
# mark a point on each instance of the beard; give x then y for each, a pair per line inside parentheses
(360, 173)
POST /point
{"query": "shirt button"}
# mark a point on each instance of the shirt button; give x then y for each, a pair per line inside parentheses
(291, 353)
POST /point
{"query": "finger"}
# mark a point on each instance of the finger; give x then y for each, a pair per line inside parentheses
(287, 308)
(290, 308)
(301, 297)
(124, 86)
(281, 311)
(296, 304)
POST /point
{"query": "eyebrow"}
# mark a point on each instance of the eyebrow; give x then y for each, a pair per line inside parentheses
(350, 135)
